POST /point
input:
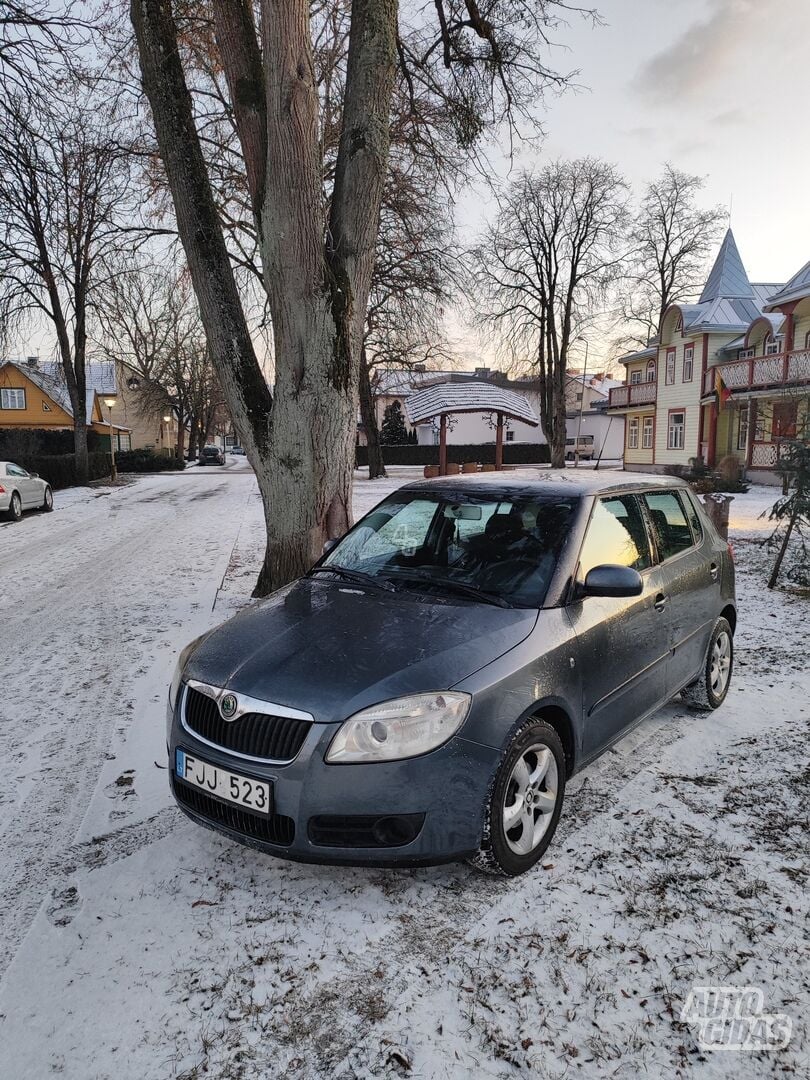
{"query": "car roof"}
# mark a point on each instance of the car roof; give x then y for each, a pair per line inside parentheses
(573, 483)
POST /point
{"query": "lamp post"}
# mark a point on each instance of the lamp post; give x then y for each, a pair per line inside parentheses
(581, 403)
(110, 401)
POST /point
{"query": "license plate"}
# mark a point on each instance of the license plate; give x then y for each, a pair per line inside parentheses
(233, 788)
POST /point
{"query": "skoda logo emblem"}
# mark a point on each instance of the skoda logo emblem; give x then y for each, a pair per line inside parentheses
(228, 706)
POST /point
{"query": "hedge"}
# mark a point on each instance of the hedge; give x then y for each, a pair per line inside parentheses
(483, 453)
(145, 461)
(16, 443)
(60, 469)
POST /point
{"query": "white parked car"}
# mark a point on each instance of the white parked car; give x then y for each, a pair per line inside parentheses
(21, 490)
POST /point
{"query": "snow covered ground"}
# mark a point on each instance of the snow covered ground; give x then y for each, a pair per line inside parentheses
(136, 945)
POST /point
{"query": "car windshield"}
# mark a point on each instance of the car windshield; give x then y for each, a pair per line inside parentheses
(501, 548)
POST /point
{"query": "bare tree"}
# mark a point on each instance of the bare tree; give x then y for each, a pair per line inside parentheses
(63, 198)
(151, 323)
(487, 58)
(544, 266)
(672, 238)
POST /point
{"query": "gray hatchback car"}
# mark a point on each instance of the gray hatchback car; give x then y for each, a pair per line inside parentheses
(424, 693)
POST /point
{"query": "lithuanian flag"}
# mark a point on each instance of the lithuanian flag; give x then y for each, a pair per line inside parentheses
(721, 391)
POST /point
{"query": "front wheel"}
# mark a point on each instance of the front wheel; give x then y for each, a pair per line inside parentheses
(47, 500)
(709, 691)
(525, 801)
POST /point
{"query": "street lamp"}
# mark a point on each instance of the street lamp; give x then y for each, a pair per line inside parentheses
(110, 401)
(581, 400)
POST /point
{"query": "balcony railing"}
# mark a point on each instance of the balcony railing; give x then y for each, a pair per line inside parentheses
(634, 394)
(778, 370)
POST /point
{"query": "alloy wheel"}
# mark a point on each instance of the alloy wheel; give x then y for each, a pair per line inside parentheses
(531, 796)
(720, 667)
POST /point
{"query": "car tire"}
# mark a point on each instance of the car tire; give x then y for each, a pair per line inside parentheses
(47, 500)
(14, 512)
(534, 748)
(709, 691)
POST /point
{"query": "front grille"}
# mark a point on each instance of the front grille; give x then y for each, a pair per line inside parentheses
(270, 738)
(271, 828)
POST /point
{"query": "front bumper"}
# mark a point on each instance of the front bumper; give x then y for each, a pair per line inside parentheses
(439, 796)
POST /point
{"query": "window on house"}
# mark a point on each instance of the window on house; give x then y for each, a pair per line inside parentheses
(12, 398)
(773, 345)
(679, 324)
(510, 436)
(632, 433)
(677, 421)
(807, 340)
(647, 433)
(46, 407)
(745, 354)
(635, 378)
(579, 396)
(784, 420)
(742, 431)
(670, 377)
(650, 371)
(688, 362)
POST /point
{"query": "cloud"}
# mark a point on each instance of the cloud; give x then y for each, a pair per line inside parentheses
(728, 40)
(729, 118)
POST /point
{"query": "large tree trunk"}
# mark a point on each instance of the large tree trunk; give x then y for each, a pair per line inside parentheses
(368, 414)
(301, 445)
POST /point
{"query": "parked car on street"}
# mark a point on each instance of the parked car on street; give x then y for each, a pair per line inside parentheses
(581, 446)
(211, 455)
(238, 450)
(21, 490)
(424, 693)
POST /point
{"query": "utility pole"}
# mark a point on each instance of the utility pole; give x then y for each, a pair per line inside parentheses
(581, 405)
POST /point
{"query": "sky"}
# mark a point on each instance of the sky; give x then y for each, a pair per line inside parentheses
(717, 87)
(720, 88)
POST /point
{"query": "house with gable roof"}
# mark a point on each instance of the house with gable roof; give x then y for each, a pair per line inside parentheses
(33, 395)
(723, 377)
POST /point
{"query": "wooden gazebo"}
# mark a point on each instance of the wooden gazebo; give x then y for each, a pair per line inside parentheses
(445, 399)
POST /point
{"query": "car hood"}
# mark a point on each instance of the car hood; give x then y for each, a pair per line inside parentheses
(333, 649)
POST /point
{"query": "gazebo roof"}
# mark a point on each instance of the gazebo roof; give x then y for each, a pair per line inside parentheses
(468, 397)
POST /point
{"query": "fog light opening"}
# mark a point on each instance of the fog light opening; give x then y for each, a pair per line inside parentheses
(394, 831)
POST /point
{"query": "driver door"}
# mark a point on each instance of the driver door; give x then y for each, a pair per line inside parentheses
(623, 641)
(27, 487)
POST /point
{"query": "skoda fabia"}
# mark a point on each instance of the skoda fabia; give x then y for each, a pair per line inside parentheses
(425, 691)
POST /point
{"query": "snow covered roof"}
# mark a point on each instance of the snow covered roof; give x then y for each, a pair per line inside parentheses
(795, 289)
(49, 377)
(469, 396)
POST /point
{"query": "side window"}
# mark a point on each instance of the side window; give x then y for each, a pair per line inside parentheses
(616, 534)
(15, 470)
(694, 517)
(672, 532)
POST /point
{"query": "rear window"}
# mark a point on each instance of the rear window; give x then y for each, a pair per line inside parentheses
(670, 525)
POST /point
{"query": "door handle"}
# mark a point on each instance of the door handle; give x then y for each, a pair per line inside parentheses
(714, 571)
(661, 602)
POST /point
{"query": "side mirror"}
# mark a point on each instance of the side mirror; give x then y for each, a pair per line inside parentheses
(33, 476)
(328, 545)
(611, 580)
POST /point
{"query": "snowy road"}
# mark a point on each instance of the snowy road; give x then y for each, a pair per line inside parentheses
(135, 945)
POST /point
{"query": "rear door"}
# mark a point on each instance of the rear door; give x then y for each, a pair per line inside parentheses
(691, 580)
(623, 641)
(29, 489)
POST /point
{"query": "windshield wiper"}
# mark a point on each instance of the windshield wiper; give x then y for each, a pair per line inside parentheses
(359, 577)
(460, 587)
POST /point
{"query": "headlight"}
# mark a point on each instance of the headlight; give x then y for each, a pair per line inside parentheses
(402, 728)
(181, 663)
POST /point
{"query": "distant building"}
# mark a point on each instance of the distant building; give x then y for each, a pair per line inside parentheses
(729, 375)
(33, 396)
